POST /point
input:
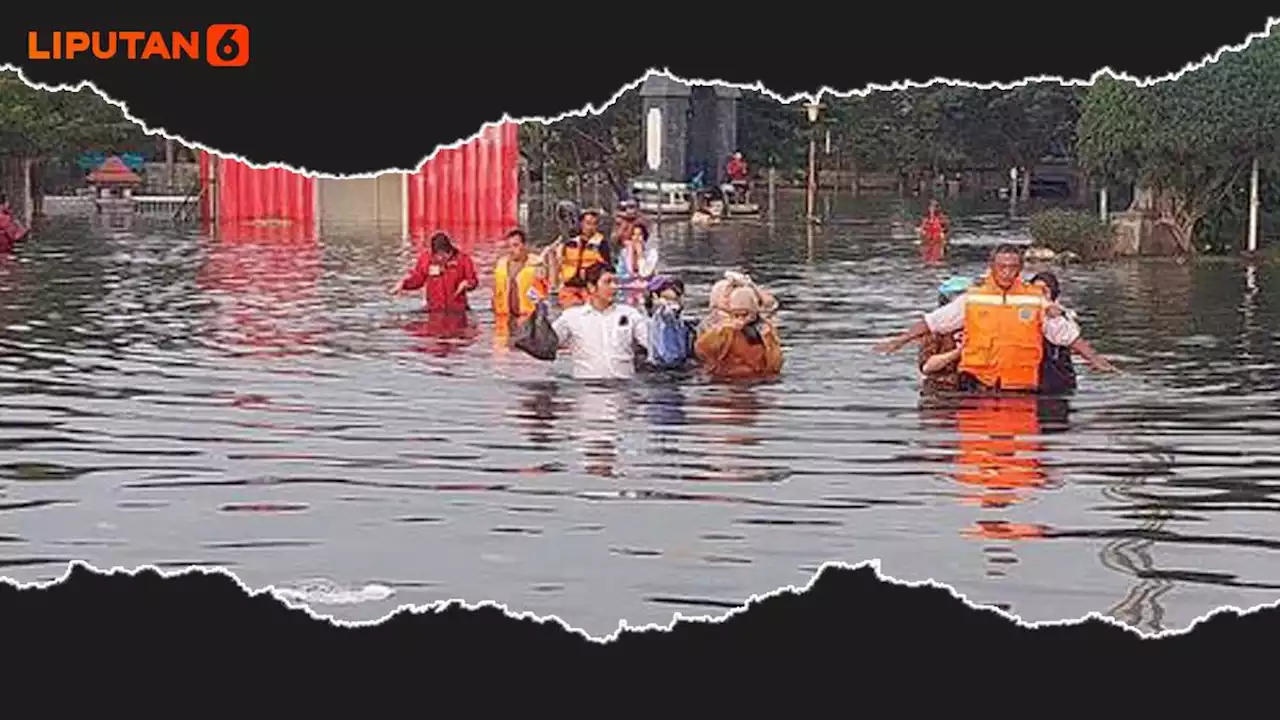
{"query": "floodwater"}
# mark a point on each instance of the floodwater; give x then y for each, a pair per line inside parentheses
(265, 406)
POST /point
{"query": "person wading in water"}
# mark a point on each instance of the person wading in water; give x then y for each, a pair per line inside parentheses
(445, 275)
(601, 334)
(1005, 322)
(573, 256)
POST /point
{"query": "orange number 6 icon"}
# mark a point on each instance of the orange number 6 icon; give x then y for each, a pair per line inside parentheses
(227, 45)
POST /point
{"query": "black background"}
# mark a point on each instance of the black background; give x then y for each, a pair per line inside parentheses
(353, 89)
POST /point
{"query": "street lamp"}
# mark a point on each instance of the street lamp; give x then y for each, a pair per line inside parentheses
(811, 110)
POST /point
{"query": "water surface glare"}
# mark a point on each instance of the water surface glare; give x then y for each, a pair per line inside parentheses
(262, 404)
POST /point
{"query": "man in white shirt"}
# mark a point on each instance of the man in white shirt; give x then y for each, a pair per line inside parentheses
(600, 334)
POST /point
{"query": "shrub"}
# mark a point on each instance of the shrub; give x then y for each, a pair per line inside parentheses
(1082, 233)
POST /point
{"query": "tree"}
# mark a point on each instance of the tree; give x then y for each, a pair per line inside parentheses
(39, 124)
(1014, 128)
(898, 131)
(771, 133)
(1190, 141)
(607, 144)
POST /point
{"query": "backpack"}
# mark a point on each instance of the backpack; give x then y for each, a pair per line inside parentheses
(670, 339)
(536, 337)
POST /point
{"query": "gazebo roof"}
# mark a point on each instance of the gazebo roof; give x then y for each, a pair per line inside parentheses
(113, 170)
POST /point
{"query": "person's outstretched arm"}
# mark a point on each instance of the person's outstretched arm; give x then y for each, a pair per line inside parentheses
(1096, 361)
(947, 319)
(416, 277)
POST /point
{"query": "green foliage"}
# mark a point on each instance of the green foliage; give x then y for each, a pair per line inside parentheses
(1191, 140)
(1013, 128)
(770, 133)
(59, 125)
(608, 144)
(912, 131)
(1072, 231)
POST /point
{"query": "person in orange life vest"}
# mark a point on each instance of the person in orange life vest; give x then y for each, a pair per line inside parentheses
(517, 275)
(935, 225)
(575, 255)
(445, 276)
(1004, 320)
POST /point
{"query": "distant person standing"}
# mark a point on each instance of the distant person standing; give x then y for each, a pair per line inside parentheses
(935, 226)
(738, 175)
(737, 169)
(445, 276)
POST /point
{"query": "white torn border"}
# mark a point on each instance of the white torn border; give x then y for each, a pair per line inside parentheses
(757, 86)
(285, 595)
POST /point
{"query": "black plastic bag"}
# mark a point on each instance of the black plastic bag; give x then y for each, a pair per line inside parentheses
(536, 337)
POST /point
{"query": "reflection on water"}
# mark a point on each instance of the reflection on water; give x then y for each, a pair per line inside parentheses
(257, 401)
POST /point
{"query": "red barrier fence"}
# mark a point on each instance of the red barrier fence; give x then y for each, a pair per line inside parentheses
(470, 192)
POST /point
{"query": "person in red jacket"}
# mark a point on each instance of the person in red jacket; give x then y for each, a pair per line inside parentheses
(935, 226)
(11, 231)
(445, 275)
(738, 176)
(737, 169)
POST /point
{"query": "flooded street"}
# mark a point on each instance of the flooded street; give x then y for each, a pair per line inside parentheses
(266, 406)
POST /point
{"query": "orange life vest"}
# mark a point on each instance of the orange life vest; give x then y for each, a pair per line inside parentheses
(1003, 335)
(526, 279)
(577, 255)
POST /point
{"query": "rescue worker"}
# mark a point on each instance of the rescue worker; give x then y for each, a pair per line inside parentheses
(1005, 322)
(516, 275)
(741, 344)
(445, 275)
(602, 335)
(573, 256)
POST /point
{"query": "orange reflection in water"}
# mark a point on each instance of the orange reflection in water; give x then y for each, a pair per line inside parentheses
(264, 279)
(998, 454)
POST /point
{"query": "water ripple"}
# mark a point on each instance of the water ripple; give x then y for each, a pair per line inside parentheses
(261, 397)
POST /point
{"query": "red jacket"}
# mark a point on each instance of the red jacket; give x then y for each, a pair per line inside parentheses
(11, 231)
(440, 280)
(736, 169)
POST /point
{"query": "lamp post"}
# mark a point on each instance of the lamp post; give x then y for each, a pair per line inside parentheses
(811, 110)
(1253, 206)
